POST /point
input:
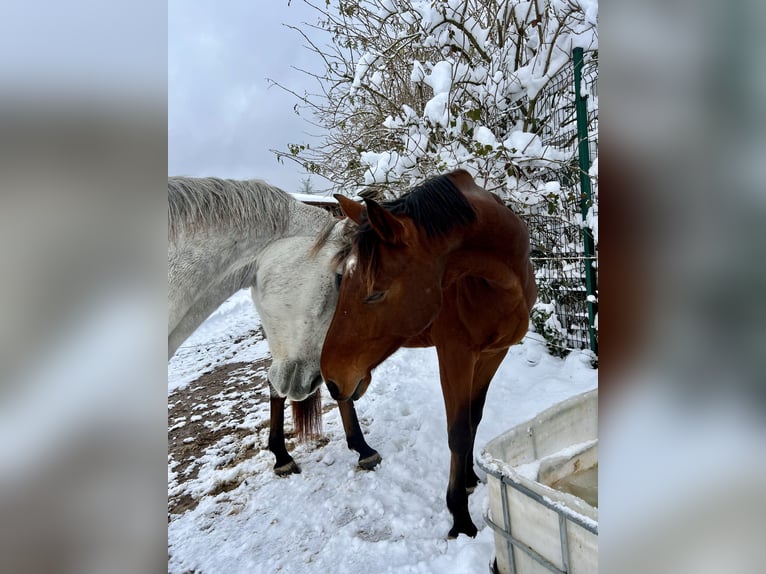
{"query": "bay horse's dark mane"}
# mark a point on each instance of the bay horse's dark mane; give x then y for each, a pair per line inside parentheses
(437, 206)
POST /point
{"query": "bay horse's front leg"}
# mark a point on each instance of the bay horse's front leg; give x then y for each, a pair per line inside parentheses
(465, 379)
(485, 369)
(459, 436)
(285, 464)
(368, 457)
(456, 371)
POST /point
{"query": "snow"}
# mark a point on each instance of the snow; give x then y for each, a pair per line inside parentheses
(387, 7)
(521, 141)
(418, 72)
(213, 342)
(429, 14)
(590, 7)
(484, 136)
(376, 81)
(416, 141)
(573, 513)
(436, 110)
(593, 171)
(364, 64)
(440, 78)
(332, 517)
(379, 166)
(311, 198)
(531, 469)
(392, 123)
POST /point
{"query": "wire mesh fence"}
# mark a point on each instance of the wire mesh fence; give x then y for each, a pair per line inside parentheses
(560, 254)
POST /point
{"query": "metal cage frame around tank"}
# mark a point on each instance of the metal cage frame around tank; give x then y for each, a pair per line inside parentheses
(513, 543)
(563, 249)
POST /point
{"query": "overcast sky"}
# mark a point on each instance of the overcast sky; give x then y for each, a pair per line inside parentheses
(222, 116)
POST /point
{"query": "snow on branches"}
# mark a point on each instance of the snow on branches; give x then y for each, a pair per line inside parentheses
(412, 88)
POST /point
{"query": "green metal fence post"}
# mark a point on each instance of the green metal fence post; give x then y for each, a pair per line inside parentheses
(586, 201)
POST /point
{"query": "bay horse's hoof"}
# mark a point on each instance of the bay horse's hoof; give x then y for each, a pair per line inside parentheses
(467, 529)
(370, 462)
(287, 469)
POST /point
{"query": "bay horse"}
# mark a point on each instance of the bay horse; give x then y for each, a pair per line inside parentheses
(445, 265)
(225, 235)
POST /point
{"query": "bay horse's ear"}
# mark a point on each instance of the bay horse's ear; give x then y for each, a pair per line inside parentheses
(387, 226)
(350, 208)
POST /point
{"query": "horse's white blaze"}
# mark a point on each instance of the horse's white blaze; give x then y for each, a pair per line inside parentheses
(351, 263)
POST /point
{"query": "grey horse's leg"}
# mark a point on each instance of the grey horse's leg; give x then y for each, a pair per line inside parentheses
(285, 464)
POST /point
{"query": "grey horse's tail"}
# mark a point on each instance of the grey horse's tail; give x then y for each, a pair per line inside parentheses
(307, 417)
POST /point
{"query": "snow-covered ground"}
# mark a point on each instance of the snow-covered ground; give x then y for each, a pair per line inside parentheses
(332, 518)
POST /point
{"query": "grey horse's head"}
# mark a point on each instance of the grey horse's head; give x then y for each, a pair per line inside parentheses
(295, 295)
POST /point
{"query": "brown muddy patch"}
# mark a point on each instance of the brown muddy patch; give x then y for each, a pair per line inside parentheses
(225, 410)
(217, 422)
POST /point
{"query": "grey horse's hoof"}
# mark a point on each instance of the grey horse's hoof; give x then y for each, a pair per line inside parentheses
(287, 469)
(370, 462)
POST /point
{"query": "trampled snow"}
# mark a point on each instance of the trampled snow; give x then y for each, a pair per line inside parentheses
(332, 517)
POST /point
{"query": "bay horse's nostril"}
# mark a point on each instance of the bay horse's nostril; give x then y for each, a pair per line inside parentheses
(334, 390)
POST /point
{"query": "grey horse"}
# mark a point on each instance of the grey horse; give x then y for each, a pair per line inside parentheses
(225, 235)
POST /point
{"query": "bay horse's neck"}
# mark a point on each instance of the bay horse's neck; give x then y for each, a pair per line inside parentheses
(482, 249)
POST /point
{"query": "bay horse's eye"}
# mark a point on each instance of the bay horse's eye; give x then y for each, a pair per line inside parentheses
(376, 296)
(338, 279)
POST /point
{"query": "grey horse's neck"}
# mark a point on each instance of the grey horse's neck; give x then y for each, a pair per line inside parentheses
(217, 228)
(306, 220)
(248, 210)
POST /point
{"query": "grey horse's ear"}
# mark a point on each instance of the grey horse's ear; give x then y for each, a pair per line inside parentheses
(350, 208)
(386, 225)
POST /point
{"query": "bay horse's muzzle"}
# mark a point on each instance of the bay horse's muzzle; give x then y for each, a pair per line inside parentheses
(332, 386)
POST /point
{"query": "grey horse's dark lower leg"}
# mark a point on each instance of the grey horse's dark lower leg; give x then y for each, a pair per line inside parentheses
(285, 464)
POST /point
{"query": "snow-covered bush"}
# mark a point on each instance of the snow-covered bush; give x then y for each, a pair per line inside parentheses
(414, 88)
(545, 321)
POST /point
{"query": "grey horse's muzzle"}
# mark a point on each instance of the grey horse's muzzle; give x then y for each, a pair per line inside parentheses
(294, 379)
